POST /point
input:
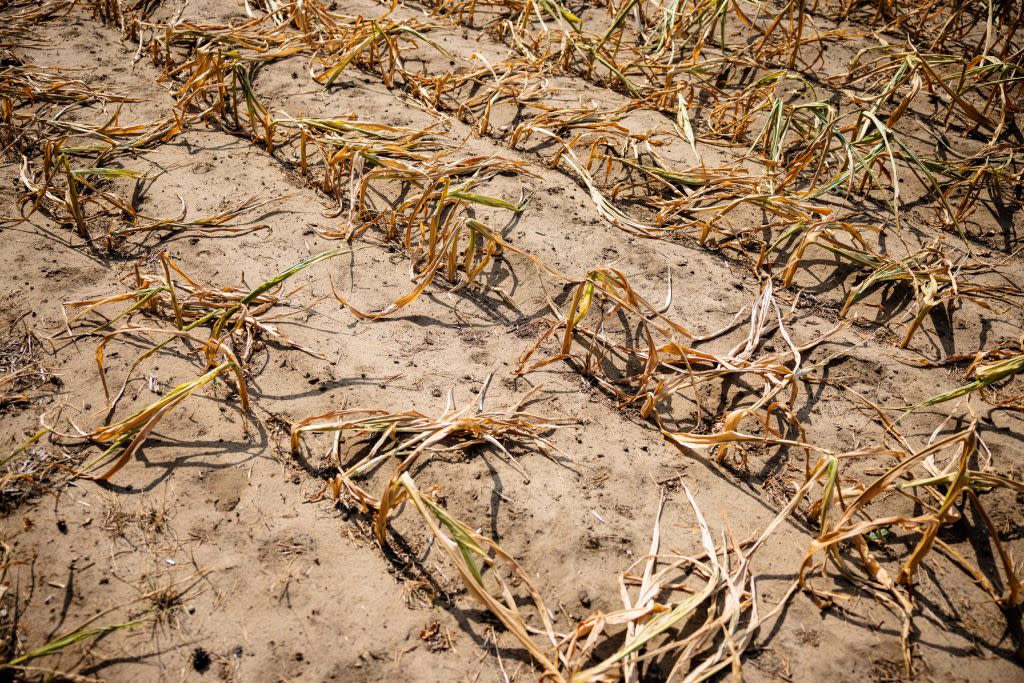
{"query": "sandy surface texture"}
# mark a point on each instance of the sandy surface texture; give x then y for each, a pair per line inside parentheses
(635, 340)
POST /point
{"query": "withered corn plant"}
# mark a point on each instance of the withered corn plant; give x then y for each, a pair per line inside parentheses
(698, 612)
(214, 322)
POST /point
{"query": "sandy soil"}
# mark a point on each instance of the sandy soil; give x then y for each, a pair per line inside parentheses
(214, 533)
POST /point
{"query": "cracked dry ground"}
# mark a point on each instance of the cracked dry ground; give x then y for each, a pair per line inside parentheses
(671, 227)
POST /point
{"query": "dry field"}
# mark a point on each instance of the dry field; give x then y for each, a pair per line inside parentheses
(510, 340)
